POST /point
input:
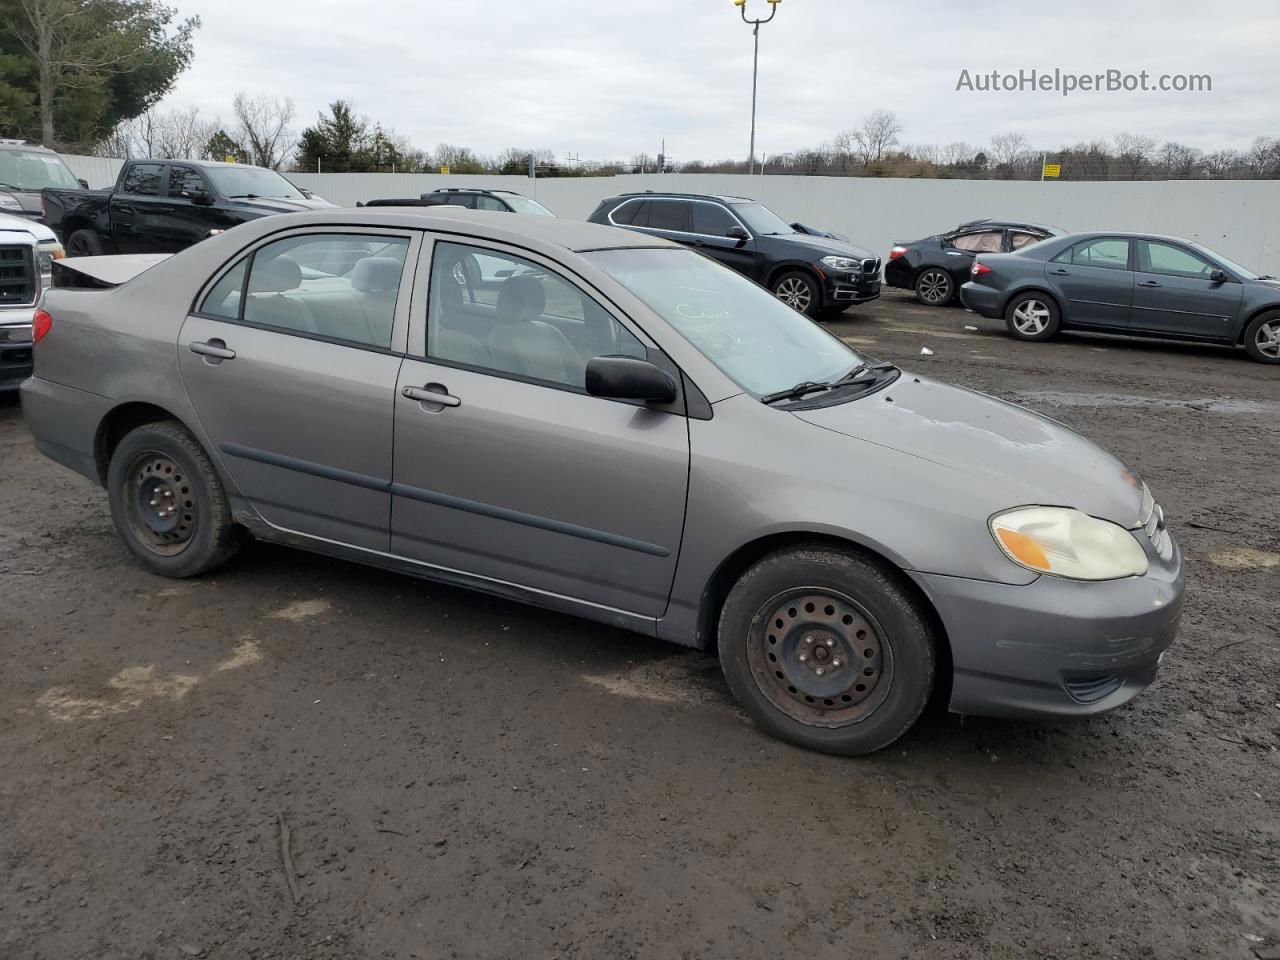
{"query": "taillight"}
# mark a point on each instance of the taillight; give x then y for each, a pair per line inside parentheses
(41, 324)
(897, 252)
(978, 269)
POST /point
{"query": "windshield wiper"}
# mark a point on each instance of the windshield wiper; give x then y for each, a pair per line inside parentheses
(799, 390)
(1265, 276)
(243, 196)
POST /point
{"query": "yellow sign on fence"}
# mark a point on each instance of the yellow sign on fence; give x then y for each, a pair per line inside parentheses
(444, 168)
(1053, 169)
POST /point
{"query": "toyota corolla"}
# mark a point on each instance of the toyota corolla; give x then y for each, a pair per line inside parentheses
(608, 424)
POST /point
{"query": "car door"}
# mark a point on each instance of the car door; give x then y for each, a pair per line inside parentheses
(190, 215)
(291, 369)
(515, 474)
(1175, 293)
(137, 211)
(1094, 282)
(709, 228)
(959, 251)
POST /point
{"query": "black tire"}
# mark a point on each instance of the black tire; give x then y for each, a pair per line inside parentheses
(875, 642)
(800, 291)
(85, 243)
(159, 469)
(1260, 337)
(1033, 316)
(935, 287)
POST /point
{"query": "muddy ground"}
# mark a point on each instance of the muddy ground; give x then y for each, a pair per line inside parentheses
(464, 777)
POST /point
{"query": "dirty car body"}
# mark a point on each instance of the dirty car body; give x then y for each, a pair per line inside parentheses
(607, 424)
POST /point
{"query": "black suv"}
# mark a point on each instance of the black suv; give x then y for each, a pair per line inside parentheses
(814, 273)
(471, 198)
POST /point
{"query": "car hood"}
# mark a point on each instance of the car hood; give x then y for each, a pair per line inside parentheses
(281, 205)
(822, 246)
(12, 223)
(1034, 459)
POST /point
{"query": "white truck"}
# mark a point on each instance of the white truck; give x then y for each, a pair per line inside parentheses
(27, 252)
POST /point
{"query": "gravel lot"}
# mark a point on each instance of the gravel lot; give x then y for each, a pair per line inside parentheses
(463, 777)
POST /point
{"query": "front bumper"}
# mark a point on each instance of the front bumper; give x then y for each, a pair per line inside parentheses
(982, 300)
(1056, 648)
(15, 347)
(846, 289)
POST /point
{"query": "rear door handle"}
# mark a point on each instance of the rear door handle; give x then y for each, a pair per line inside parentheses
(423, 395)
(215, 348)
(1149, 283)
(1061, 273)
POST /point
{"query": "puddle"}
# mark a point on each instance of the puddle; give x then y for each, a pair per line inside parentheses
(1059, 398)
(301, 610)
(1245, 558)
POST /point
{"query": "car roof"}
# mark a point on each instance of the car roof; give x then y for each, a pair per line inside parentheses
(994, 222)
(515, 228)
(674, 195)
(14, 144)
(1128, 235)
(475, 190)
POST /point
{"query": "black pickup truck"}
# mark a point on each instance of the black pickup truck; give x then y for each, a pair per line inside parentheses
(163, 206)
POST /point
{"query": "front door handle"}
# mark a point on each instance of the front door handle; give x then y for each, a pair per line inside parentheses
(214, 348)
(1149, 283)
(440, 397)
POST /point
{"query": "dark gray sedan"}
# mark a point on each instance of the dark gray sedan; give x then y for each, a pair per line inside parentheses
(1144, 286)
(611, 425)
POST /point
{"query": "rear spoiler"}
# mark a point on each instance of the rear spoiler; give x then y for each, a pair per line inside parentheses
(102, 273)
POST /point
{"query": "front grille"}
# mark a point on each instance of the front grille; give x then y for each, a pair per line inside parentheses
(1152, 523)
(18, 283)
(1093, 689)
(871, 267)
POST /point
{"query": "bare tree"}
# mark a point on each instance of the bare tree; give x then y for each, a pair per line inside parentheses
(1263, 157)
(929, 153)
(1008, 148)
(183, 134)
(956, 153)
(1179, 161)
(1134, 151)
(264, 125)
(877, 133)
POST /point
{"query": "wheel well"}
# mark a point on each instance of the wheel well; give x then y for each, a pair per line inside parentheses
(116, 424)
(746, 556)
(1047, 294)
(796, 268)
(1244, 327)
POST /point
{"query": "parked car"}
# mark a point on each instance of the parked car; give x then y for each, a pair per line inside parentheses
(937, 266)
(1137, 284)
(25, 170)
(163, 206)
(619, 428)
(27, 252)
(817, 275)
(472, 199)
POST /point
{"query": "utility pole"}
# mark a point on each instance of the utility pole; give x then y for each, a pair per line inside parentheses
(755, 69)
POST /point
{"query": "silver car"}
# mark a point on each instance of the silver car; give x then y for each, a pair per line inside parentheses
(611, 425)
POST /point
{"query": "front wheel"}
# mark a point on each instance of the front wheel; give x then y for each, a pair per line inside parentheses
(827, 649)
(1032, 316)
(168, 503)
(934, 287)
(799, 291)
(1262, 338)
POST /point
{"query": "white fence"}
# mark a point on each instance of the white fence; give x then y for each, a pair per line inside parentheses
(1238, 218)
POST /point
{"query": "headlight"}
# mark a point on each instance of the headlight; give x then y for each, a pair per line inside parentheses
(842, 263)
(48, 252)
(9, 202)
(1068, 543)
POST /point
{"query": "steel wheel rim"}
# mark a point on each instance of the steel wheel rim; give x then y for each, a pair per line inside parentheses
(161, 504)
(820, 657)
(934, 287)
(1031, 317)
(1268, 339)
(795, 293)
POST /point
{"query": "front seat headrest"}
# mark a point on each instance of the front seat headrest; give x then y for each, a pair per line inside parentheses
(376, 274)
(521, 298)
(276, 275)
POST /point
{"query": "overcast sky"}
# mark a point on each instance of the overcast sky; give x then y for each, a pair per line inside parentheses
(605, 80)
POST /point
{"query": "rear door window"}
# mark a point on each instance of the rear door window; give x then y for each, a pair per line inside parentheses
(631, 213)
(669, 215)
(1020, 238)
(1108, 253)
(984, 241)
(143, 179)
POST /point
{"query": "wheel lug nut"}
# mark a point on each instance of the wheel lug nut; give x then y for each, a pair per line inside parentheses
(803, 658)
(831, 643)
(835, 663)
(819, 671)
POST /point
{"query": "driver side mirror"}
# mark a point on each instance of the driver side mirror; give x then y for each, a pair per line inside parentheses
(1219, 276)
(84, 184)
(201, 199)
(737, 233)
(629, 378)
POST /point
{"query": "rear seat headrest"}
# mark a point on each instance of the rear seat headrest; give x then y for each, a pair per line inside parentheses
(376, 274)
(276, 275)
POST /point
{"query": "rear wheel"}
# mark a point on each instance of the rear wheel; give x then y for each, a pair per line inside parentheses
(799, 290)
(1262, 338)
(1032, 316)
(826, 649)
(934, 287)
(85, 243)
(168, 503)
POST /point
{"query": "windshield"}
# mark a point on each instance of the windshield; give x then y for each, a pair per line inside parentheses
(524, 205)
(34, 170)
(1244, 272)
(761, 219)
(252, 182)
(757, 340)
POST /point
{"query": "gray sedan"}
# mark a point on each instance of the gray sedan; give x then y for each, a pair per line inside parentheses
(610, 425)
(1128, 283)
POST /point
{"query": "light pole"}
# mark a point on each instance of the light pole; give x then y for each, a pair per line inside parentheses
(755, 66)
